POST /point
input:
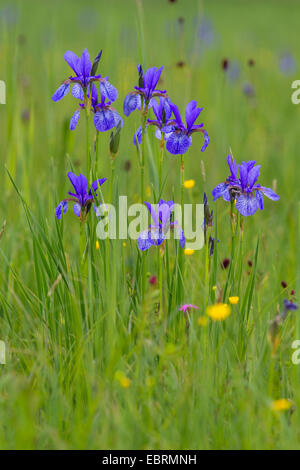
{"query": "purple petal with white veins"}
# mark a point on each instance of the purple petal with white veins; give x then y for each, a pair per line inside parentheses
(61, 92)
(74, 120)
(206, 141)
(247, 204)
(145, 241)
(219, 190)
(260, 199)
(178, 143)
(108, 90)
(77, 91)
(61, 209)
(104, 120)
(77, 209)
(131, 103)
(270, 194)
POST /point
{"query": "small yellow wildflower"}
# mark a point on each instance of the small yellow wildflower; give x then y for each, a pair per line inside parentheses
(124, 244)
(189, 184)
(282, 404)
(97, 245)
(189, 252)
(234, 300)
(214, 288)
(148, 191)
(218, 311)
(125, 382)
(202, 321)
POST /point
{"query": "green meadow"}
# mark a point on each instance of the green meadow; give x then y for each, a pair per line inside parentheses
(97, 353)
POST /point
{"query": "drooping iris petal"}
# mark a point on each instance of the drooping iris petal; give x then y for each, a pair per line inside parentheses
(61, 92)
(131, 103)
(178, 143)
(77, 209)
(206, 141)
(139, 136)
(145, 241)
(77, 92)
(117, 118)
(104, 120)
(74, 120)
(180, 235)
(73, 61)
(61, 209)
(108, 90)
(247, 204)
(260, 199)
(270, 194)
(219, 190)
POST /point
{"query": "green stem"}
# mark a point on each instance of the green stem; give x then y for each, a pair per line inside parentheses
(96, 153)
(88, 168)
(142, 166)
(181, 253)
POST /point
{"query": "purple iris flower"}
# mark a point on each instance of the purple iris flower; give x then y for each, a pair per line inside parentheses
(289, 305)
(82, 198)
(145, 91)
(243, 188)
(163, 113)
(156, 233)
(180, 138)
(106, 117)
(85, 74)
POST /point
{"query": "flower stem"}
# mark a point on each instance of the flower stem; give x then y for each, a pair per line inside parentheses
(142, 165)
(181, 253)
(88, 163)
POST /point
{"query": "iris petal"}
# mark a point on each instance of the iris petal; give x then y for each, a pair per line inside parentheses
(74, 120)
(247, 204)
(61, 92)
(108, 90)
(178, 143)
(61, 209)
(104, 120)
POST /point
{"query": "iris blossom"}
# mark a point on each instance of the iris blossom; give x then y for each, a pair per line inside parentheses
(85, 74)
(180, 137)
(106, 117)
(243, 188)
(156, 233)
(146, 90)
(82, 198)
(163, 113)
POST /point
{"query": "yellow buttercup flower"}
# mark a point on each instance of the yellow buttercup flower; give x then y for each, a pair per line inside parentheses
(214, 288)
(148, 191)
(125, 382)
(97, 245)
(234, 300)
(202, 321)
(189, 252)
(189, 184)
(124, 244)
(218, 311)
(282, 404)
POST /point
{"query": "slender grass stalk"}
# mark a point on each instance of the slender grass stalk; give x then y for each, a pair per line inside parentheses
(142, 169)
